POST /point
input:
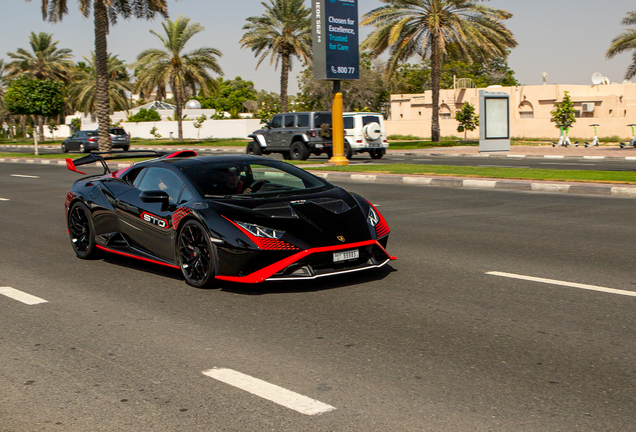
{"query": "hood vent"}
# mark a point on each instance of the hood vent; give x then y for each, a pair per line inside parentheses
(333, 205)
(286, 210)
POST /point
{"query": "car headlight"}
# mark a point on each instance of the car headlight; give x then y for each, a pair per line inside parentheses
(261, 231)
(373, 217)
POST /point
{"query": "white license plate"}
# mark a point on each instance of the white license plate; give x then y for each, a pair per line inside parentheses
(373, 144)
(346, 255)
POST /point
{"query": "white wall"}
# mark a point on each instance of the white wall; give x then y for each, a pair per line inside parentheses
(238, 128)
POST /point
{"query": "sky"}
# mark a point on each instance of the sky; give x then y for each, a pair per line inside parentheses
(565, 38)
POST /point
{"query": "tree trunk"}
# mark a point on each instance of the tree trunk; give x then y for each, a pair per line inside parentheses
(178, 99)
(40, 128)
(284, 80)
(436, 73)
(101, 64)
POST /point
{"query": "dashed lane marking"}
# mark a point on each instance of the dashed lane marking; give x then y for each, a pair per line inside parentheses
(271, 392)
(21, 296)
(4, 199)
(24, 176)
(563, 283)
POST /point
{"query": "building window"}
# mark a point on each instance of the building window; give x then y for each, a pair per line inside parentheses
(526, 114)
(445, 116)
(577, 113)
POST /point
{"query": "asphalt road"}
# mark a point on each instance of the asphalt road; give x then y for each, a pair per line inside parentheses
(535, 163)
(433, 343)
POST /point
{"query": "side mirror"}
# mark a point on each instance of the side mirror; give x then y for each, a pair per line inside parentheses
(268, 125)
(156, 196)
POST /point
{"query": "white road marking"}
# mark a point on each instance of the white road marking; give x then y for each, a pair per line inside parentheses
(21, 296)
(4, 199)
(271, 392)
(24, 176)
(567, 284)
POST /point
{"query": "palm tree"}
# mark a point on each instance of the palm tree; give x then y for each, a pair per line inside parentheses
(426, 27)
(625, 41)
(82, 92)
(105, 13)
(46, 61)
(158, 69)
(282, 33)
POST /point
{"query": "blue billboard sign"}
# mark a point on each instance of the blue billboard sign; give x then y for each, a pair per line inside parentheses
(335, 39)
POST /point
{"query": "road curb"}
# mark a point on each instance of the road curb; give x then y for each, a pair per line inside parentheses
(517, 185)
(514, 156)
(415, 180)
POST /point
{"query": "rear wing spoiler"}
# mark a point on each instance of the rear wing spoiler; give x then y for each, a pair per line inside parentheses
(102, 157)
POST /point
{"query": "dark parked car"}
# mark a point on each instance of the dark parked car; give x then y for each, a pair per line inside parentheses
(85, 141)
(224, 218)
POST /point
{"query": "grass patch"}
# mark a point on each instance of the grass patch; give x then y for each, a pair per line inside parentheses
(405, 145)
(617, 177)
(42, 156)
(229, 142)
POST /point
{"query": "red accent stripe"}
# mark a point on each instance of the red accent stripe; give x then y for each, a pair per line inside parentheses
(182, 153)
(382, 228)
(136, 257)
(265, 243)
(71, 166)
(267, 272)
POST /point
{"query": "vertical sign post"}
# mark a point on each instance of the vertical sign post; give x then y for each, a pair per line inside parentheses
(494, 121)
(336, 57)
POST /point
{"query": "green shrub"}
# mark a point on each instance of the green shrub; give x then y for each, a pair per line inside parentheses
(145, 115)
(404, 138)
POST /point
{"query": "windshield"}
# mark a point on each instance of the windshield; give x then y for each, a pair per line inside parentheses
(239, 178)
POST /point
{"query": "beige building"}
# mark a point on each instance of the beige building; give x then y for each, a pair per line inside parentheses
(612, 106)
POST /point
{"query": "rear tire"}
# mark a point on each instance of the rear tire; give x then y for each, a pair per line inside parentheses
(253, 149)
(298, 151)
(126, 148)
(376, 154)
(82, 231)
(196, 255)
(348, 153)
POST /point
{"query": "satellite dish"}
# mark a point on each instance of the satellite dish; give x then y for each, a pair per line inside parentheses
(597, 78)
(193, 104)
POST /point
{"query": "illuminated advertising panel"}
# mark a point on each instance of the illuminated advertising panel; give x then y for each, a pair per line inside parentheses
(335, 39)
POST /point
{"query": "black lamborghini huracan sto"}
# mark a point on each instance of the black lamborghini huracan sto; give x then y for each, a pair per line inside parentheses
(231, 218)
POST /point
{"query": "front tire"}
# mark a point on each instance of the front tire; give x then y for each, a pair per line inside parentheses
(82, 231)
(298, 151)
(82, 149)
(64, 149)
(253, 149)
(196, 255)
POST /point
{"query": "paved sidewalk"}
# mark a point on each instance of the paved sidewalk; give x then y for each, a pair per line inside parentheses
(538, 151)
